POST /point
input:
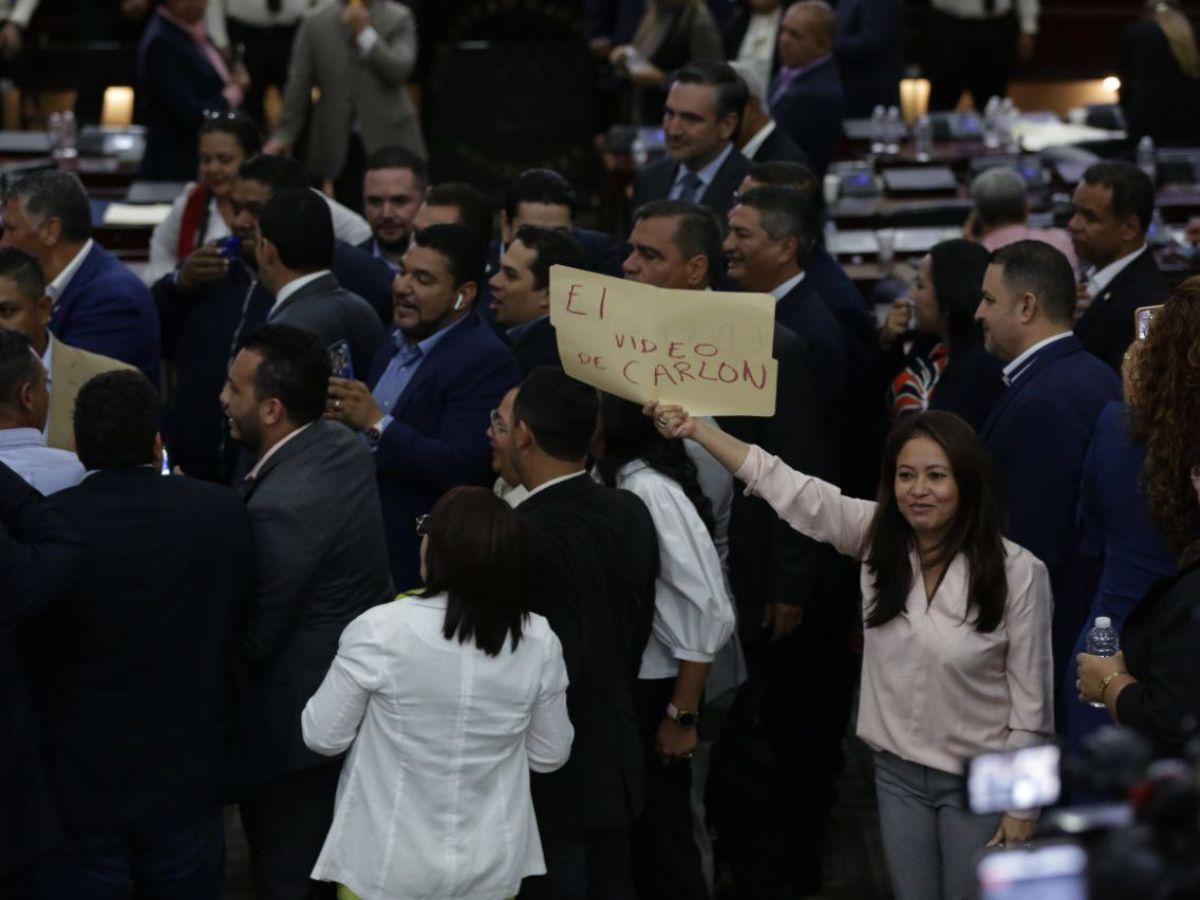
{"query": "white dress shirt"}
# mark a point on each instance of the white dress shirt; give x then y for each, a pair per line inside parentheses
(693, 616)
(934, 690)
(348, 226)
(758, 44)
(19, 12)
(292, 287)
(1098, 281)
(271, 451)
(433, 800)
(252, 12)
(1013, 370)
(755, 142)
(1027, 11)
(43, 468)
(787, 287)
(62, 280)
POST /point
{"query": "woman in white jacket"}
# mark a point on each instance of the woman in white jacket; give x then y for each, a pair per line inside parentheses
(446, 700)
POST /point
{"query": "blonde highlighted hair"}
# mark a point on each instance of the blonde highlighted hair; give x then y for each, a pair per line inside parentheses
(1169, 16)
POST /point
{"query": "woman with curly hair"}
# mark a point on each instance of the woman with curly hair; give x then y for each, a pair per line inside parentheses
(1153, 686)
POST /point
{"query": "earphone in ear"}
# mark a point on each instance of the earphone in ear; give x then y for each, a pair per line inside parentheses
(458, 302)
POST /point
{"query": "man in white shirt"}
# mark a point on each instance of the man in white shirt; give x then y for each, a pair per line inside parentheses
(759, 137)
(24, 402)
(1114, 204)
(972, 45)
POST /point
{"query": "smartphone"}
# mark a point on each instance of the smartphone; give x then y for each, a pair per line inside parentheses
(230, 247)
(340, 363)
(1142, 316)
(1015, 779)
(166, 462)
(1054, 870)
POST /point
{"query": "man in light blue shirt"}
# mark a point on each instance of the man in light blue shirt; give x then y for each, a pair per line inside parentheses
(24, 403)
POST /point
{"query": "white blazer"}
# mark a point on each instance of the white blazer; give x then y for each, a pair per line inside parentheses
(433, 799)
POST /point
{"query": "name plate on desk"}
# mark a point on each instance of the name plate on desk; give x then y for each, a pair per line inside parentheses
(919, 180)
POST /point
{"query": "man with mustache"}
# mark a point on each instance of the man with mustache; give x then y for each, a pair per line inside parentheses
(425, 407)
(393, 188)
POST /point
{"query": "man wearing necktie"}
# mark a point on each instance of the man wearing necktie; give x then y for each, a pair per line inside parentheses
(426, 406)
(703, 110)
(972, 45)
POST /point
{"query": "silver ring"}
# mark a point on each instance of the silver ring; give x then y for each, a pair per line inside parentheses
(662, 421)
(337, 404)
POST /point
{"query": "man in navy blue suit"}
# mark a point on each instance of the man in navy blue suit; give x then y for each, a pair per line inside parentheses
(99, 305)
(393, 188)
(870, 54)
(133, 676)
(426, 406)
(806, 96)
(1039, 430)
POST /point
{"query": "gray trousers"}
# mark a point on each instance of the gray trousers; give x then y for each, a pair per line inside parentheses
(930, 838)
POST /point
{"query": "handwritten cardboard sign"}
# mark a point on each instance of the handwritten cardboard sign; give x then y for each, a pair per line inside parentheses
(709, 352)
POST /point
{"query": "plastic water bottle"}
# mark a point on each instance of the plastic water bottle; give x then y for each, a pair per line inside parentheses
(639, 150)
(923, 138)
(1147, 160)
(894, 131)
(1102, 641)
(54, 127)
(991, 115)
(877, 130)
(69, 135)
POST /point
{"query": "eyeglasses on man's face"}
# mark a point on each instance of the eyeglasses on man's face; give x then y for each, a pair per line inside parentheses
(498, 424)
(422, 525)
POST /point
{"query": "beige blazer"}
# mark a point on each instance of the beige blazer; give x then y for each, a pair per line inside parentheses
(70, 369)
(370, 89)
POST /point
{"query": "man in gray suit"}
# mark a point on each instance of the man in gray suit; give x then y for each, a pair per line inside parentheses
(359, 56)
(322, 561)
(294, 254)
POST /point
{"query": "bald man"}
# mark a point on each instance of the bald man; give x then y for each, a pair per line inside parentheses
(806, 98)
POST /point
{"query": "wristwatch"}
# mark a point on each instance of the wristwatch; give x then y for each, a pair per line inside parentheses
(375, 432)
(684, 718)
(1106, 680)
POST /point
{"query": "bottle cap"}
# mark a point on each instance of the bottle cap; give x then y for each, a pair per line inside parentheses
(1103, 622)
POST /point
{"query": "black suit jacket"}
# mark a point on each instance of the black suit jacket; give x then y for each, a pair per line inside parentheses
(176, 84)
(323, 308)
(778, 147)
(360, 272)
(596, 559)
(870, 53)
(322, 561)
(1159, 641)
(1106, 328)
(1157, 97)
(811, 112)
(133, 676)
(40, 562)
(769, 561)
(654, 181)
(804, 313)
(537, 346)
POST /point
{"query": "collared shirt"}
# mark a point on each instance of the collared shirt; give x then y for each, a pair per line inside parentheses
(788, 75)
(515, 333)
(1014, 369)
(1055, 237)
(1027, 10)
(402, 367)
(253, 473)
(512, 495)
(935, 691)
(292, 287)
(48, 359)
(706, 175)
(1098, 281)
(43, 468)
(787, 287)
(198, 32)
(62, 280)
(258, 13)
(553, 481)
(693, 615)
(755, 142)
(378, 254)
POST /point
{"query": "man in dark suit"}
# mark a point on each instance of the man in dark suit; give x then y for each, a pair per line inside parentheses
(133, 677)
(762, 785)
(1039, 430)
(1114, 204)
(318, 539)
(759, 137)
(426, 403)
(870, 53)
(99, 305)
(295, 254)
(204, 317)
(806, 96)
(700, 120)
(181, 75)
(393, 188)
(521, 293)
(40, 562)
(595, 559)
(972, 46)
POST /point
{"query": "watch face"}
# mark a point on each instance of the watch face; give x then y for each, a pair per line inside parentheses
(686, 719)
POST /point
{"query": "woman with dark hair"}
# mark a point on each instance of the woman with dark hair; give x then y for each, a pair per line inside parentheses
(947, 367)
(693, 618)
(956, 659)
(1153, 685)
(1159, 68)
(446, 699)
(203, 213)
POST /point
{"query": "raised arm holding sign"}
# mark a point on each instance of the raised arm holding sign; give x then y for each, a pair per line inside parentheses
(707, 351)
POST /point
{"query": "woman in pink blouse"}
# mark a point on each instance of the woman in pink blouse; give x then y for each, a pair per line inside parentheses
(957, 639)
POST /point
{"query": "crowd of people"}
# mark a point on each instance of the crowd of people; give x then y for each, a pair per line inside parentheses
(306, 518)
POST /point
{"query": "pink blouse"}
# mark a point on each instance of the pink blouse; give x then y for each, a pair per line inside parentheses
(934, 690)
